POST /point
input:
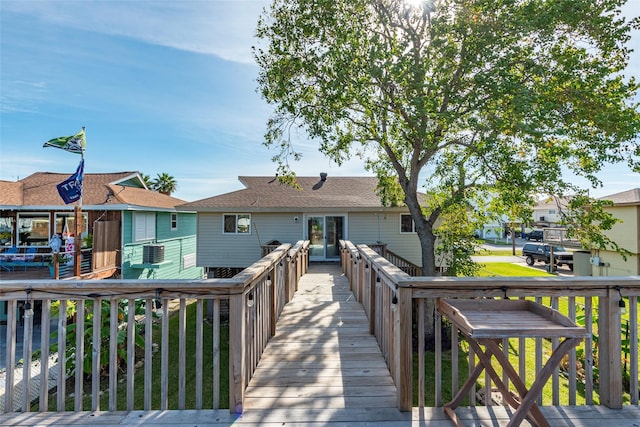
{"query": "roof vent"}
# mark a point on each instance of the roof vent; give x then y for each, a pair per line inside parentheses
(323, 176)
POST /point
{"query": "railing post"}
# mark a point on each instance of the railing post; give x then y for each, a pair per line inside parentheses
(404, 350)
(273, 297)
(355, 278)
(12, 309)
(286, 277)
(372, 299)
(609, 350)
(236, 352)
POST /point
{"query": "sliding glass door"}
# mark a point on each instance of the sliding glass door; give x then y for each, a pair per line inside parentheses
(324, 233)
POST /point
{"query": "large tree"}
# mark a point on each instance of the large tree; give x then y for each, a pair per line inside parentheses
(472, 101)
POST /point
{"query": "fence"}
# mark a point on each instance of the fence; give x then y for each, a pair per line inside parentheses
(113, 322)
(397, 306)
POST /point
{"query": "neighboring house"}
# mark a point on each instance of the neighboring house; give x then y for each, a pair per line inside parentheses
(125, 219)
(626, 207)
(233, 227)
(547, 212)
(498, 229)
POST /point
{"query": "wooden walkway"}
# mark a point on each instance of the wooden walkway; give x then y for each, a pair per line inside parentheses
(322, 355)
(322, 368)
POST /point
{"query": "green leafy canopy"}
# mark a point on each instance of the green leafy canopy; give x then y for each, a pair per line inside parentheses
(461, 98)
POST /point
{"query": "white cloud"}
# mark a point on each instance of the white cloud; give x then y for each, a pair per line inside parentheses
(222, 28)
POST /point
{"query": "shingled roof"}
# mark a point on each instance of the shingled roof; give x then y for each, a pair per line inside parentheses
(625, 198)
(100, 191)
(265, 193)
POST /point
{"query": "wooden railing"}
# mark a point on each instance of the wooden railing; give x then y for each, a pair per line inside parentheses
(255, 296)
(403, 264)
(394, 302)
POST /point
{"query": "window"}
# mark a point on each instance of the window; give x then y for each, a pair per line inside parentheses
(33, 229)
(6, 231)
(174, 221)
(144, 226)
(406, 224)
(66, 224)
(236, 224)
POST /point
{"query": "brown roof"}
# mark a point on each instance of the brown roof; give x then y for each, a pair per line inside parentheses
(98, 189)
(629, 197)
(10, 193)
(266, 193)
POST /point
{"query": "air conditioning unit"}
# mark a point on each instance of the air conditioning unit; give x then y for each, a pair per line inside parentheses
(152, 254)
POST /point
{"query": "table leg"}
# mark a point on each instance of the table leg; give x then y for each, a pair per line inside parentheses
(450, 407)
(485, 363)
(542, 377)
(493, 348)
(460, 395)
(519, 384)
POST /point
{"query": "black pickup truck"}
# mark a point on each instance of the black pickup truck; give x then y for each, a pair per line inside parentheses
(542, 252)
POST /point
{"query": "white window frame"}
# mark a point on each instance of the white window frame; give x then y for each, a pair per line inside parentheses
(71, 215)
(29, 217)
(238, 217)
(144, 226)
(413, 224)
(173, 221)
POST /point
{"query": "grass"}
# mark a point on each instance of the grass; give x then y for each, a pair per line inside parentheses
(507, 269)
(512, 270)
(489, 270)
(190, 365)
(495, 252)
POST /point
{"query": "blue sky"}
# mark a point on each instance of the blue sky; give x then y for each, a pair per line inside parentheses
(161, 86)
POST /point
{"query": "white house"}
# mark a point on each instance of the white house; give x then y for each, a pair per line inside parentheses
(233, 227)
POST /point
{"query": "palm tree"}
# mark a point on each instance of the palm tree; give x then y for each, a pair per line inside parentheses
(164, 183)
(147, 180)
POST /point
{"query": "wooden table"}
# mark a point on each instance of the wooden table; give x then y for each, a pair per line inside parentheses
(486, 322)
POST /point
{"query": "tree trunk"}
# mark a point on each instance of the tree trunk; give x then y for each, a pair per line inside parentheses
(424, 230)
(427, 243)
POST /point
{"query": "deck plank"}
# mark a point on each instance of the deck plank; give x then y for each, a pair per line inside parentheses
(494, 416)
(322, 355)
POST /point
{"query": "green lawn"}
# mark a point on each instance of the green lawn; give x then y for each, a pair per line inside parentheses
(513, 270)
(495, 252)
(507, 269)
(488, 270)
(207, 379)
(493, 270)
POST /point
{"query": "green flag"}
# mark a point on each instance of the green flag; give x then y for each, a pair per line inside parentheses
(74, 144)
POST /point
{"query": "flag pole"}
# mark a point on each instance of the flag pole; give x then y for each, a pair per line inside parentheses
(78, 231)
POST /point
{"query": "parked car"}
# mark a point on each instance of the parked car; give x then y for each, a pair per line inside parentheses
(536, 235)
(542, 252)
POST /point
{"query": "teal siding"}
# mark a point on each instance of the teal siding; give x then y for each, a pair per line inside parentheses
(127, 227)
(177, 243)
(186, 226)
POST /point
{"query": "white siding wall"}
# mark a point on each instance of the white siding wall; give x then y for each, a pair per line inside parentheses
(223, 250)
(216, 249)
(363, 229)
(279, 226)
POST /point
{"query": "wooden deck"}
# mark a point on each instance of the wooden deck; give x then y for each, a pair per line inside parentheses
(324, 368)
(322, 355)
